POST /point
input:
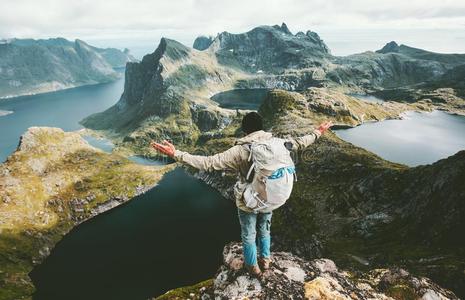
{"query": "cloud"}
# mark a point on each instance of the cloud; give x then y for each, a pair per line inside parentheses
(185, 19)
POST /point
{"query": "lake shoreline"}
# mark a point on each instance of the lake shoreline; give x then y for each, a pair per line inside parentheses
(53, 90)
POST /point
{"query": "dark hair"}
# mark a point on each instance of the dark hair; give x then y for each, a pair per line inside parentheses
(252, 122)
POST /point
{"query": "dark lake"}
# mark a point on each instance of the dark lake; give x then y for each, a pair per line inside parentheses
(62, 109)
(421, 138)
(241, 98)
(169, 237)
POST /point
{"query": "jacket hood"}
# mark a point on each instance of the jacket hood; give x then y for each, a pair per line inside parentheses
(253, 137)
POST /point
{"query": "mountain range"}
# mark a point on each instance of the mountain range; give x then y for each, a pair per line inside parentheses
(178, 82)
(364, 212)
(30, 66)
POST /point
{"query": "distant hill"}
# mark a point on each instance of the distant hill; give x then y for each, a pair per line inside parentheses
(30, 66)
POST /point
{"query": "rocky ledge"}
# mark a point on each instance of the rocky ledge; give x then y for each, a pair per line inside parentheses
(291, 277)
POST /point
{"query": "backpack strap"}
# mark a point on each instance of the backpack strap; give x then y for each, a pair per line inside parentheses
(249, 148)
(250, 171)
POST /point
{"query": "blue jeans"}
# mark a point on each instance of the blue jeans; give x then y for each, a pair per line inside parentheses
(249, 223)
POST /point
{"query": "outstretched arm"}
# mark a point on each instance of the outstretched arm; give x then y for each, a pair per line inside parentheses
(300, 143)
(227, 160)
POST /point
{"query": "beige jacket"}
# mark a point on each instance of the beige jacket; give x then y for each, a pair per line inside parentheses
(236, 157)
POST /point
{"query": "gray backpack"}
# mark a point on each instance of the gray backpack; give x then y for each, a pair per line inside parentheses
(271, 175)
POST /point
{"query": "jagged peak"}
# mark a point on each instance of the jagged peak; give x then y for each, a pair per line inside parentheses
(171, 48)
(283, 28)
(392, 46)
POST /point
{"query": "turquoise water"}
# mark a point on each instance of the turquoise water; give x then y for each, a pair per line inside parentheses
(62, 109)
(421, 138)
(101, 143)
(107, 146)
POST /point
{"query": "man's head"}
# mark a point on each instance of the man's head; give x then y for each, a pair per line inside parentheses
(252, 122)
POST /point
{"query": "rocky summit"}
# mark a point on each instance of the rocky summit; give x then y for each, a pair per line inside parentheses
(37, 66)
(291, 277)
(355, 207)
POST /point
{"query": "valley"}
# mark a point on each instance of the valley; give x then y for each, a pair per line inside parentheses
(365, 210)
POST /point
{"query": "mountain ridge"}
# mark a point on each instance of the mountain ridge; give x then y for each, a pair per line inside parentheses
(29, 66)
(265, 57)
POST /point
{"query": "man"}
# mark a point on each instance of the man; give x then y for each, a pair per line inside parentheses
(238, 158)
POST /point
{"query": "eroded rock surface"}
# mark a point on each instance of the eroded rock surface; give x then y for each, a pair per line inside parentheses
(291, 277)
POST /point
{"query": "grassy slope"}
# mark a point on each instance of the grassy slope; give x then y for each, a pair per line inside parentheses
(48, 186)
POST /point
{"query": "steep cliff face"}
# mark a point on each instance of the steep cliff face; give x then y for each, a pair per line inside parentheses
(54, 181)
(291, 277)
(36, 66)
(270, 49)
(167, 94)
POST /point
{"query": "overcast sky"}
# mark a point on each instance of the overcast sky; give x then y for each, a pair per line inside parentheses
(346, 25)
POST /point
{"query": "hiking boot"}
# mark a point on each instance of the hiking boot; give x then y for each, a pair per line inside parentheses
(254, 271)
(264, 263)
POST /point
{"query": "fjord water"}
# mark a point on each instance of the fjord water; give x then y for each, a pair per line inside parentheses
(169, 237)
(62, 109)
(241, 98)
(420, 138)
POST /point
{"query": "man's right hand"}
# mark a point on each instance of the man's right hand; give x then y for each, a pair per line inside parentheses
(324, 126)
(166, 148)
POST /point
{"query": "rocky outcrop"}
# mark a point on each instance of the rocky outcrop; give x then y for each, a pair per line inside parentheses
(167, 94)
(202, 42)
(353, 206)
(38, 66)
(291, 277)
(54, 181)
(270, 49)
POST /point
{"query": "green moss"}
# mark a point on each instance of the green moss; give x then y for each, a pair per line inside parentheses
(189, 292)
(175, 50)
(190, 76)
(277, 103)
(401, 292)
(15, 264)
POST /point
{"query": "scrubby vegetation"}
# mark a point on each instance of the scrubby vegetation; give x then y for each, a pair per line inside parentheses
(54, 181)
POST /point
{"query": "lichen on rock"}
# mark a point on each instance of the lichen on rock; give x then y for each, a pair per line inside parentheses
(291, 277)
